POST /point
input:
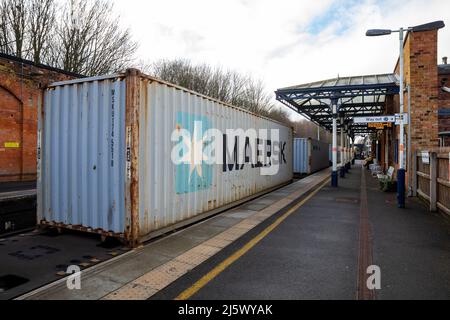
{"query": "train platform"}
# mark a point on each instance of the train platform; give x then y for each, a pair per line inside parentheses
(304, 241)
(322, 250)
(17, 190)
(168, 258)
(17, 207)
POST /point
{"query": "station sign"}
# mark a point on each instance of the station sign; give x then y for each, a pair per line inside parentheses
(378, 119)
(401, 117)
(380, 126)
(397, 119)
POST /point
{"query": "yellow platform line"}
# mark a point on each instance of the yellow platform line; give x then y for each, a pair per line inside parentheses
(188, 293)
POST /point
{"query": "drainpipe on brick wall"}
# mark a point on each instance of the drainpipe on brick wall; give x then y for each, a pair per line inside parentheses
(446, 89)
(22, 118)
(410, 171)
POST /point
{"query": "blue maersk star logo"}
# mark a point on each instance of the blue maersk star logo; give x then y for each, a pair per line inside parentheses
(192, 173)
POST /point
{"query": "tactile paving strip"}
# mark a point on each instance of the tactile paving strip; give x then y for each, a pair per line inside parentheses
(132, 291)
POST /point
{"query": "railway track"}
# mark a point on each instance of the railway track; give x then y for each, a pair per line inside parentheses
(32, 258)
(17, 212)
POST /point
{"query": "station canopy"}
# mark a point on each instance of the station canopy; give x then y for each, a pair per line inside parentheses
(358, 96)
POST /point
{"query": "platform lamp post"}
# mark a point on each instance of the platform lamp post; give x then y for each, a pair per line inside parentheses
(347, 148)
(349, 157)
(383, 32)
(342, 148)
(352, 147)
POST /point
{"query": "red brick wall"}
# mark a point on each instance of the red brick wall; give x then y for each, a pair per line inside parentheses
(20, 85)
(422, 75)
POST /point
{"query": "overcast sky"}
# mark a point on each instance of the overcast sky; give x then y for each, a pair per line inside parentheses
(282, 42)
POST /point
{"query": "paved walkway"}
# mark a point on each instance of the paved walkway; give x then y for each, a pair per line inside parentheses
(294, 243)
(141, 273)
(318, 252)
(17, 195)
(17, 190)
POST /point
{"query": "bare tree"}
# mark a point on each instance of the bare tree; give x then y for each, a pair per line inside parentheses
(281, 116)
(227, 86)
(307, 129)
(41, 26)
(256, 99)
(90, 41)
(5, 36)
(14, 14)
(237, 88)
(82, 36)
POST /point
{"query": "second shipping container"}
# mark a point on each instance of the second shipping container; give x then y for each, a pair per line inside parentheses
(310, 155)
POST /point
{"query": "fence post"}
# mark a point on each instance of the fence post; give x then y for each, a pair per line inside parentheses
(414, 175)
(433, 181)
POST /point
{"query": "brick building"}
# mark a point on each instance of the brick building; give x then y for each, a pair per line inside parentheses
(444, 103)
(430, 105)
(20, 87)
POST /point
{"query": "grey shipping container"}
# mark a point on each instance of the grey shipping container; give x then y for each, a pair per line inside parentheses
(113, 158)
(310, 155)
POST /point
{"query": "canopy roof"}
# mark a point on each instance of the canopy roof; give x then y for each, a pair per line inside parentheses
(356, 97)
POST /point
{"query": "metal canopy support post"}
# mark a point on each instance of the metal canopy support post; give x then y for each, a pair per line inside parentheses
(342, 170)
(353, 148)
(348, 153)
(349, 159)
(341, 140)
(334, 173)
(401, 170)
(347, 150)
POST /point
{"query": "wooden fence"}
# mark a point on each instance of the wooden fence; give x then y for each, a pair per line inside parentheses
(431, 180)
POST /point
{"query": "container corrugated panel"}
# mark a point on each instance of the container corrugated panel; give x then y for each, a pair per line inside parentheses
(82, 159)
(301, 155)
(319, 155)
(172, 193)
(310, 155)
(89, 162)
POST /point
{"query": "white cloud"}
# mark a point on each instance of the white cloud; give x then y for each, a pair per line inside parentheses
(270, 39)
